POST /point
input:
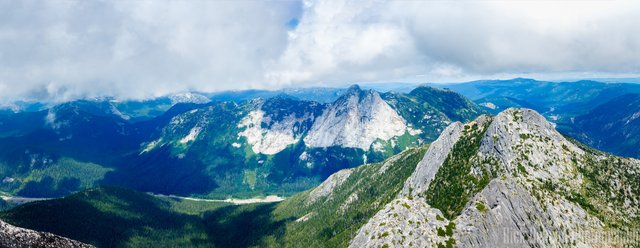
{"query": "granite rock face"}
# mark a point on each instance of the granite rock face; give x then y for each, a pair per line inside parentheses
(512, 217)
(522, 138)
(275, 138)
(403, 223)
(357, 119)
(12, 236)
(326, 188)
(435, 156)
(526, 185)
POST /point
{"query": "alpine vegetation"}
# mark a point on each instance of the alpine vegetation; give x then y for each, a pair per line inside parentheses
(511, 180)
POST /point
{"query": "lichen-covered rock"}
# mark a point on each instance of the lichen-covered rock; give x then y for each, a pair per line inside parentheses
(523, 140)
(12, 236)
(505, 214)
(404, 223)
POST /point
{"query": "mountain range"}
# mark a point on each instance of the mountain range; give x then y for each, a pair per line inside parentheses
(242, 148)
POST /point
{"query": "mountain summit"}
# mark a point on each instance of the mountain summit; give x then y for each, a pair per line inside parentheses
(356, 119)
(505, 180)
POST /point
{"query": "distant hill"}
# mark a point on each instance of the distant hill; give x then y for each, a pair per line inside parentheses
(613, 126)
(559, 99)
(579, 108)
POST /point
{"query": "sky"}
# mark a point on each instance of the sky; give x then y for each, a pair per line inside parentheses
(62, 50)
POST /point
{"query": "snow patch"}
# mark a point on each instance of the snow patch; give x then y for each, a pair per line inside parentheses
(150, 146)
(633, 117)
(50, 119)
(413, 131)
(188, 98)
(304, 156)
(193, 134)
(117, 112)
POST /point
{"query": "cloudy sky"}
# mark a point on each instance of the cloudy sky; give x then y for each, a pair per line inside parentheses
(137, 49)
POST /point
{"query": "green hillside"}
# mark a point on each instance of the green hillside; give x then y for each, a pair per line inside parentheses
(116, 217)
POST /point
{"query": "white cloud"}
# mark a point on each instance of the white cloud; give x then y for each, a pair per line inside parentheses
(457, 39)
(499, 36)
(339, 41)
(134, 49)
(67, 49)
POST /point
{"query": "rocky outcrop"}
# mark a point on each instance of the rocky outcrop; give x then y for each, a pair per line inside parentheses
(356, 119)
(403, 223)
(12, 236)
(277, 123)
(438, 151)
(505, 214)
(273, 139)
(326, 188)
(523, 184)
(522, 138)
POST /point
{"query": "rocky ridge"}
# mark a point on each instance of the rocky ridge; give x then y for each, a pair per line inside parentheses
(508, 181)
(326, 188)
(429, 165)
(12, 236)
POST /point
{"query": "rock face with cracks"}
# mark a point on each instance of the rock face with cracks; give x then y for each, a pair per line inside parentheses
(510, 181)
(429, 165)
(356, 120)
